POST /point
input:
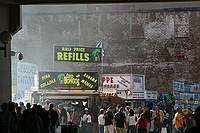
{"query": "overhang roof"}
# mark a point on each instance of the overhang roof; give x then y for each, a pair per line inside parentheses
(22, 2)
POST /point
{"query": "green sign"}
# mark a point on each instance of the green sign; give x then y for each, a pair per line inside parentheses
(68, 80)
(77, 54)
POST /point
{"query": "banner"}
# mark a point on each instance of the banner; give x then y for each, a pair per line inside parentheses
(188, 87)
(68, 80)
(77, 54)
(25, 78)
(178, 86)
(116, 81)
(138, 82)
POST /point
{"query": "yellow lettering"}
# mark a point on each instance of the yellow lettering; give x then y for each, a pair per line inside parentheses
(79, 49)
(65, 56)
(74, 56)
(90, 77)
(59, 55)
(66, 48)
(87, 56)
(77, 57)
(70, 56)
(45, 84)
(81, 57)
(46, 76)
(69, 79)
(86, 83)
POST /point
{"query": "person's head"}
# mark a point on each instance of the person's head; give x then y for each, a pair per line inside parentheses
(11, 106)
(157, 107)
(60, 106)
(179, 110)
(4, 106)
(19, 109)
(128, 108)
(87, 112)
(131, 112)
(197, 115)
(146, 108)
(47, 101)
(110, 108)
(51, 106)
(28, 105)
(139, 108)
(21, 104)
(121, 109)
(101, 111)
(142, 117)
(189, 111)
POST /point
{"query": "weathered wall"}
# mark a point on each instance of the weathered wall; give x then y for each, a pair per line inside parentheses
(162, 44)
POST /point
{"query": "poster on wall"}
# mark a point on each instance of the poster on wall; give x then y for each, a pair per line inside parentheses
(151, 95)
(138, 95)
(77, 54)
(116, 81)
(138, 82)
(196, 87)
(25, 78)
(68, 80)
(178, 86)
(188, 87)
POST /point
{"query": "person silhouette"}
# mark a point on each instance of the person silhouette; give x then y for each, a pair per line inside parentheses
(196, 128)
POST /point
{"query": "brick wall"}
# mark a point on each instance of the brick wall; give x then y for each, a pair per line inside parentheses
(162, 44)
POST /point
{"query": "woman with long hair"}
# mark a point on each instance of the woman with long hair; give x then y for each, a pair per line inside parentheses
(142, 124)
(131, 121)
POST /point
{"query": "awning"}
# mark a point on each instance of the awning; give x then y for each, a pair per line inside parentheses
(67, 97)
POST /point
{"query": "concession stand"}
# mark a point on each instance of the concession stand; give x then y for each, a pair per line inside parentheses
(76, 90)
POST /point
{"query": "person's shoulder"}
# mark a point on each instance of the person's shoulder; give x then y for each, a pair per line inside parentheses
(116, 113)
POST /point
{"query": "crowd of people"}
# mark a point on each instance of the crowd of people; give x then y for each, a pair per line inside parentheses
(49, 118)
(18, 118)
(144, 120)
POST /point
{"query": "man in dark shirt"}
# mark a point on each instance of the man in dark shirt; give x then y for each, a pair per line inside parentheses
(54, 118)
(147, 116)
(189, 119)
(196, 116)
(63, 114)
(120, 121)
(109, 121)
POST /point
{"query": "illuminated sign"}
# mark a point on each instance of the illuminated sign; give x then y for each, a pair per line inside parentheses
(77, 54)
(68, 80)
